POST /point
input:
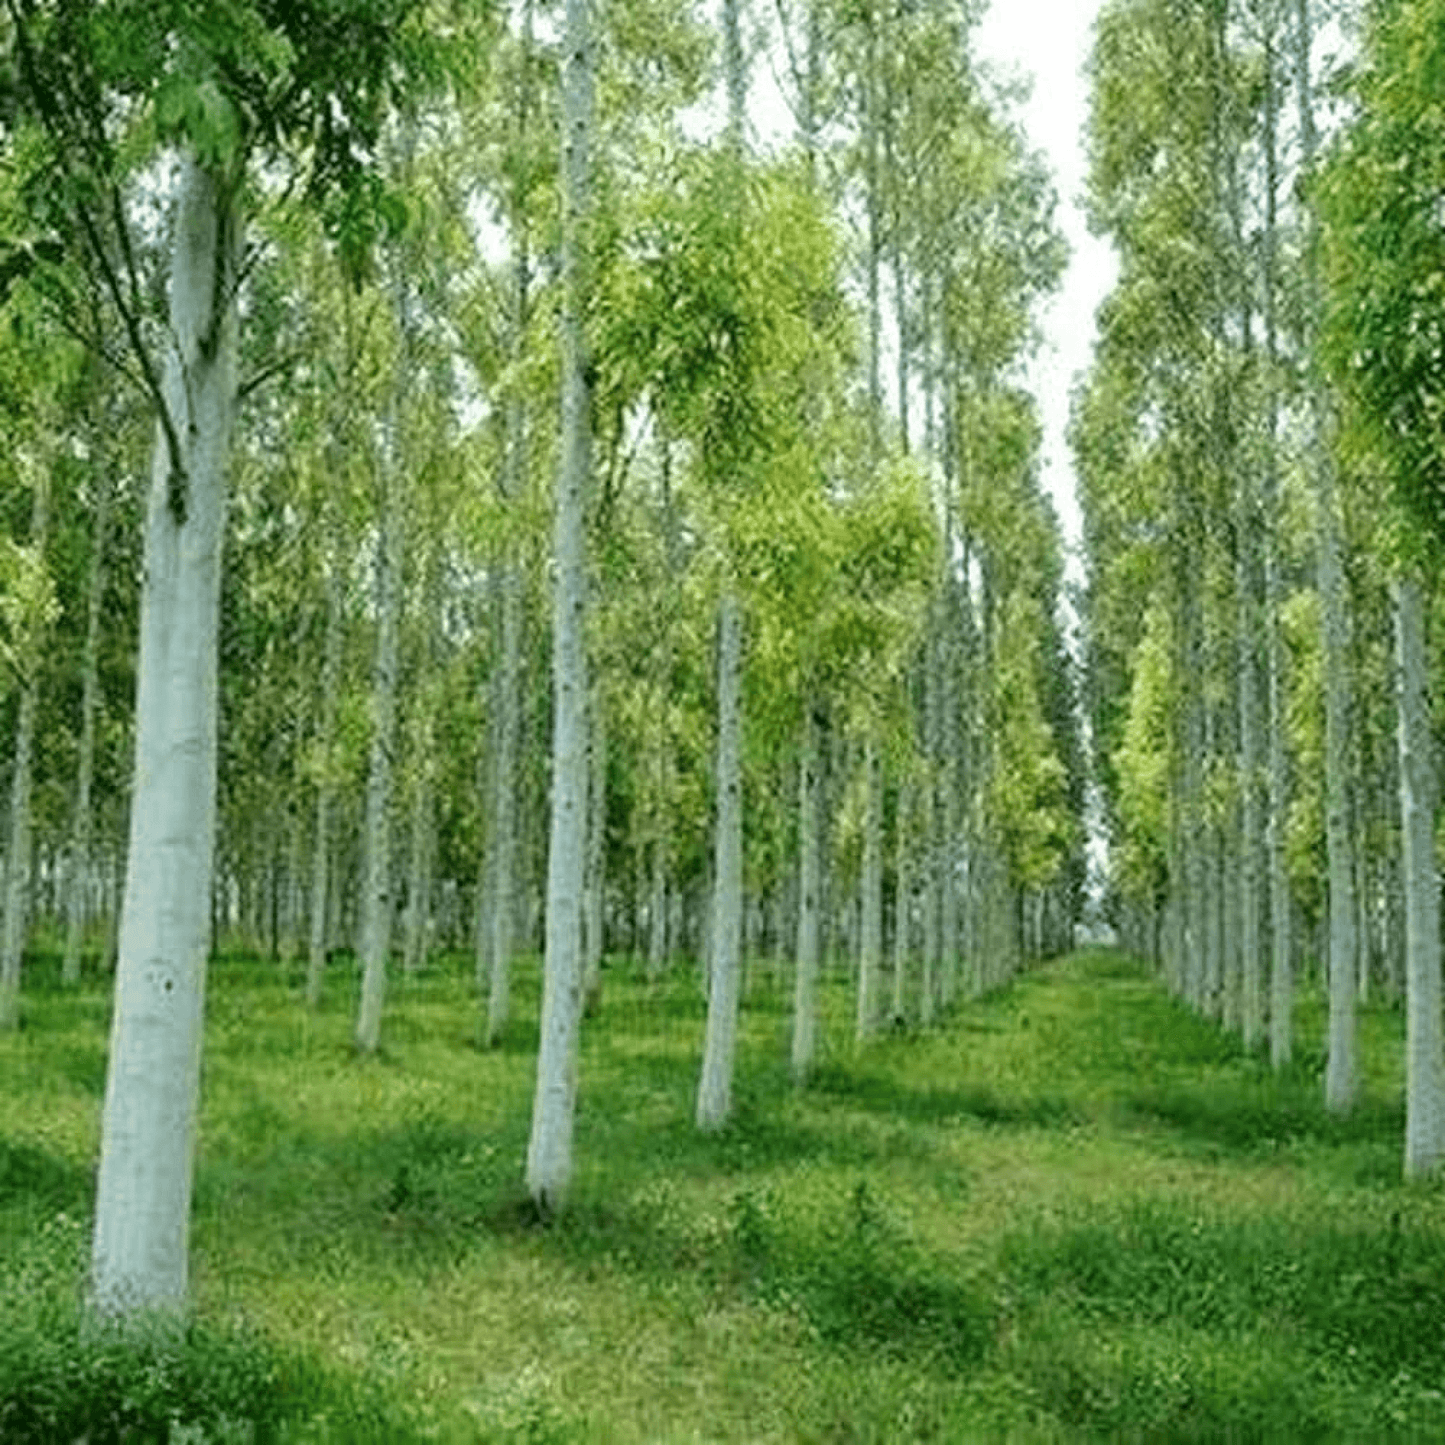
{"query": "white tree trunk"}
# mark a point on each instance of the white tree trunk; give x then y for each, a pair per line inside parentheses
(18, 850)
(903, 897)
(657, 909)
(1424, 1064)
(78, 870)
(503, 900)
(1340, 1074)
(870, 952)
(143, 1192)
(420, 844)
(321, 888)
(805, 979)
(596, 865)
(549, 1152)
(17, 858)
(502, 903)
(376, 890)
(714, 1094)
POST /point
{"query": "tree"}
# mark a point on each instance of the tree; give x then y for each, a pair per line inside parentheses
(214, 86)
(1383, 254)
(549, 1153)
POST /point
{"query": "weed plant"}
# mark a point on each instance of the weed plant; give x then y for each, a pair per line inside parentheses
(1071, 1212)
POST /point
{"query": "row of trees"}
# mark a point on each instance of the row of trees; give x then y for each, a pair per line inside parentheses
(365, 218)
(1259, 444)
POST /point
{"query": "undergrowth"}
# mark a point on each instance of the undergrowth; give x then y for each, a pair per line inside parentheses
(1073, 1211)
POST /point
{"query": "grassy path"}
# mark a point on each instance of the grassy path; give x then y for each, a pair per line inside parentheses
(1073, 1213)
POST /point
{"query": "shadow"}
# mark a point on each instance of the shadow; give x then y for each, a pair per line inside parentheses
(881, 1094)
(1251, 1117)
(36, 1177)
(1374, 1295)
(856, 1281)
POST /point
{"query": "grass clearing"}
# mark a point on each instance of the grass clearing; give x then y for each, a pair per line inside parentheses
(1073, 1212)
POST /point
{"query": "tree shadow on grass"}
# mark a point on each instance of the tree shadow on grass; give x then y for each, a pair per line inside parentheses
(36, 1178)
(854, 1279)
(1253, 1116)
(1372, 1292)
(883, 1094)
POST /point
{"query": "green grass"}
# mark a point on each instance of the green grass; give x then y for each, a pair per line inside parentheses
(1074, 1212)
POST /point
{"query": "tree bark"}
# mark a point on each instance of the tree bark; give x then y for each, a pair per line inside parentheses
(714, 1095)
(1424, 1063)
(549, 1151)
(1340, 1073)
(321, 888)
(82, 827)
(870, 951)
(376, 888)
(143, 1192)
(18, 849)
(903, 897)
(596, 866)
(805, 978)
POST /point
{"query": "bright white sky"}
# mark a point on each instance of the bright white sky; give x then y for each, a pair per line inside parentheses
(1049, 39)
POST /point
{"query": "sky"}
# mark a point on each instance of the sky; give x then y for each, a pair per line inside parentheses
(1049, 40)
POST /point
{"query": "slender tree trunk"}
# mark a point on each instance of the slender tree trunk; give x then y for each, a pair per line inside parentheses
(1424, 1063)
(143, 1192)
(18, 850)
(321, 888)
(79, 869)
(870, 953)
(1251, 842)
(420, 843)
(714, 1095)
(657, 909)
(903, 894)
(513, 477)
(376, 888)
(596, 867)
(810, 827)
(1340, 1074)
(549, 1151)
(503, 901)
(17, 856)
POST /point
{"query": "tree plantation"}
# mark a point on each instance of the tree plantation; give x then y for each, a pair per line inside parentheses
(556, 750)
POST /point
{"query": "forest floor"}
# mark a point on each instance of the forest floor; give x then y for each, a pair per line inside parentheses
(1073, 1211)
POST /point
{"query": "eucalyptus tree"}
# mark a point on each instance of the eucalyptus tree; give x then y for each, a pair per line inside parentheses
(28, 611)
(1341, 1079)
(79, 848)
(549, 1152)
(1160, 435)
(307, 87)
(1383, 252)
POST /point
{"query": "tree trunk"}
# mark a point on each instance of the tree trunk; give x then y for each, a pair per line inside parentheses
(596, 867)
(503, 900)
(1340, 1074)
(79, 869)
(321, 889)
(419, 863)
(810, 828)
(870, 951)
(376, 888)
(903, 895)
(18, 851)
(1424, 1064)
(714, 1095)
(143, 1192)
(549, 1151)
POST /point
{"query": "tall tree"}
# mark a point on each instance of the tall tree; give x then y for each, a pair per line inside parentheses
(549, 1153)
(1341, 1073)
(1383, 251)
(215, 85)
